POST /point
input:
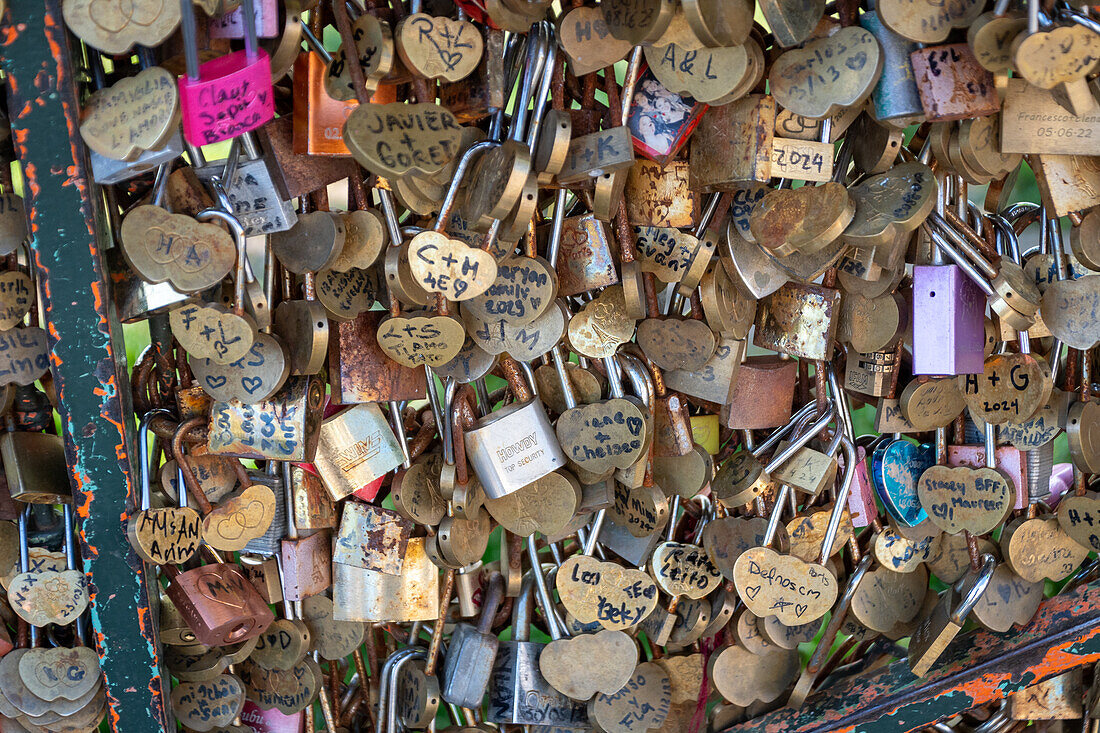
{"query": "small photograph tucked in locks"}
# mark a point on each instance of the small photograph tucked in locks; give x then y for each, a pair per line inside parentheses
(660, 121)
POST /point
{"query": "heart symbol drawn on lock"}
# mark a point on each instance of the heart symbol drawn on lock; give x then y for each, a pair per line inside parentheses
(587, 41)
(1008, 600)
(972, 499)
(114, 26)
(603, 435)
(438, 46)
(212, 586)
(212, 332)
(53, 597)
(785, 582)
(266, 365)
(60, 672)
(187, 253)
(240, 519)
(798, 84)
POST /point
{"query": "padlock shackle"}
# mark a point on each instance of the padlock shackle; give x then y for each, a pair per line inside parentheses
(545, 601)
(557, 225)
(144, 468)
(491, 597)
(442, 415)
(517, 382)
(537, 51)
(841, 500)
(315, 45)
(447, 207)
(549, 39)
(801, 440)
(593, 535)
(288, 607)
(189, 30)
(387, 708)
(641, 380)
(985, 575)
(966, 265)
(521, 608)
(190, 482)
(936, 222)
(288, 494)
(567, 391)
(24, 547)
(840, 610)
(614, 377)
(237, 230)
(397, 422)
(810, 408)
(463, 417)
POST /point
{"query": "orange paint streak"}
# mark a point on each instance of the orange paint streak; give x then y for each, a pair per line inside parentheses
(9, 34)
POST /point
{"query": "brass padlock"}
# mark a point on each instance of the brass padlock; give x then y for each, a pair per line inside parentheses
(35, 467)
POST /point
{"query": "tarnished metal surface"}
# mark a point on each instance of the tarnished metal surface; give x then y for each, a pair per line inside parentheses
(86, 354)
(733, 143)
(976, 668)
(799, 319)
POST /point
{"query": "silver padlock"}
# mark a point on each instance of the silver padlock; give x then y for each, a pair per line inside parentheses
(515, 445)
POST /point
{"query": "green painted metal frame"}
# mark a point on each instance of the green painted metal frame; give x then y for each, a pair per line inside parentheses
(978, 667)
(87, 355)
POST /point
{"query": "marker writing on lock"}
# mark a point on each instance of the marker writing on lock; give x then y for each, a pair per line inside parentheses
(775, 578)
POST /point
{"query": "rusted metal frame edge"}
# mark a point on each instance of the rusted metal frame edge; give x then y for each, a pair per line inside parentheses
(87, 356)
(977, 668)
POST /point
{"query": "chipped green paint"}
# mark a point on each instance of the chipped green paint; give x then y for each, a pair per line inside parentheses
(86, 354)
(1085, 647)
(915, 715)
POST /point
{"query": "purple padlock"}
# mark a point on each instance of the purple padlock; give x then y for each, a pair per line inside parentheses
(948, 322)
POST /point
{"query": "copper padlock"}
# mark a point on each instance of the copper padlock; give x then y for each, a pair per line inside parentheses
(219, 604)
(763, 394)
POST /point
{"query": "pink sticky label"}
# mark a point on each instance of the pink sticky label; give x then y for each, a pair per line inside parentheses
(232, 96)
(231, 25)
(861, 497)
(1007, 458)
(270, 721)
